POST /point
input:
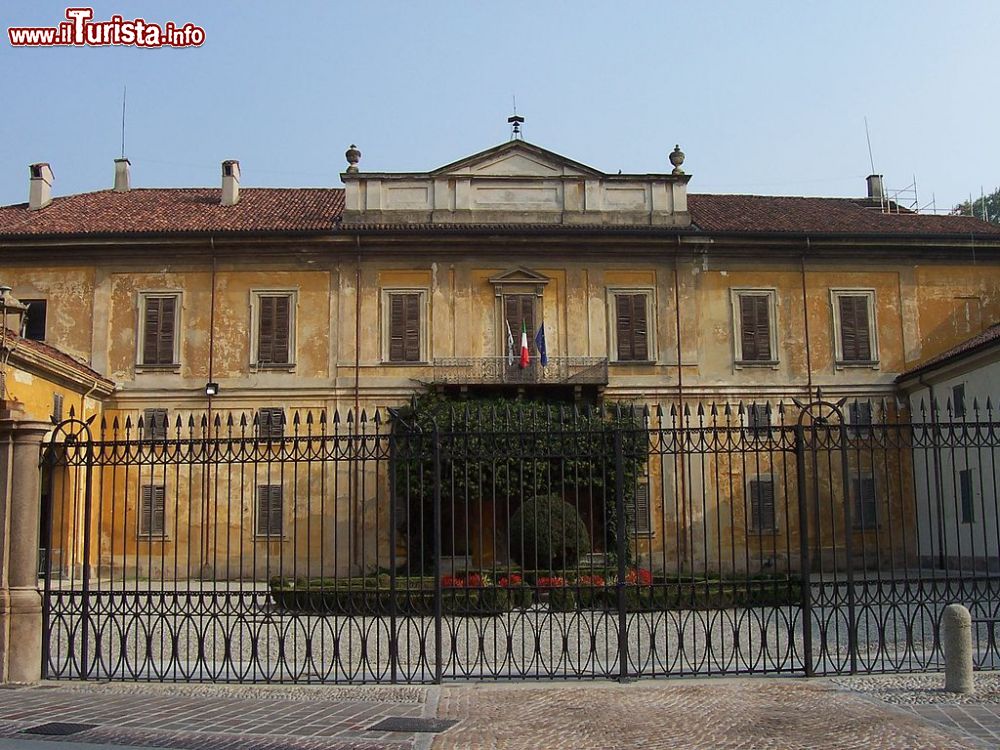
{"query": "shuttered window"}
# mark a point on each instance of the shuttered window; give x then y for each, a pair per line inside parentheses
(762, 516)
(855, 329)
(967, 490)
(519, 309)
(755, 328)
(404, 327)
(861, 418)
(271, 422)
(631, 328)
(865, 503)
(152, 514)
(269, 513)
(57, 407)
(159, 323)
(759, 419)
(638, 515)
(274, 329)
(154, 424)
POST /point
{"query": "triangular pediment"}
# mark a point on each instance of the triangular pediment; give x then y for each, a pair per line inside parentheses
(516, 159)
(519, 275)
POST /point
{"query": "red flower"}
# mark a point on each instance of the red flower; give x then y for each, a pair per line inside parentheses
(639, 575)
(451, 582)
(474, 579)
(594, 580)
(553, 582)
(514, 579)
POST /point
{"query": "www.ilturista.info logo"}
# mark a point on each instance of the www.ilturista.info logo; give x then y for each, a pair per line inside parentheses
(79, 30)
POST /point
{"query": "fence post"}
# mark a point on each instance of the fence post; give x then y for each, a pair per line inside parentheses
(805, 566)
(621, 532)
(393, 500)
(438, 596)
(20, 598)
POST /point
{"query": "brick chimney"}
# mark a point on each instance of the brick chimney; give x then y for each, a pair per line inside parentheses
(40, 186)
(230, 182)
(123, 180)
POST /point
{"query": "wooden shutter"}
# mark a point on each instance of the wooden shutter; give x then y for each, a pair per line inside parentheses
(631, 327)
(404, 327)
(154, 424)
(271, 422)
(762, 505)
(855, 335)
(865, 505)
(269, 511)
(158, 331)
(152, 514)
(274, 330)
(57, 407)
(638, 517)
(755, 327)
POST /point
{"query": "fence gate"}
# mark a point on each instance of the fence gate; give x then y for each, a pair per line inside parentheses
(490, 542)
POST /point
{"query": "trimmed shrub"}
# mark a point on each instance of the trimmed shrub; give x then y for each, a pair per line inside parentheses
(547, 533)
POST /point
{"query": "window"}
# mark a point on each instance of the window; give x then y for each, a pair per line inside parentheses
(762, 517)
(958, 401)
(967, 490)
(632, 327)
(759, 419)
(854, 324)
(271, 423)
(152, 513)
(754, 325)
(158, 344)
(57, 407)
(639, 517)
(269, 517)
(274, 323)
(518, 310)
(154, 424)
(860, 415)
(865, 503)
(404, 327)
(34, 319)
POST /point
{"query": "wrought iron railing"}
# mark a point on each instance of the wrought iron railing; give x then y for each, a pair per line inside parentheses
(499, 371)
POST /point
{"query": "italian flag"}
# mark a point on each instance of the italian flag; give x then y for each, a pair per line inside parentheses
(525, 357)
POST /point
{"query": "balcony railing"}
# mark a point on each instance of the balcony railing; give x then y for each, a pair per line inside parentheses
(498, 371)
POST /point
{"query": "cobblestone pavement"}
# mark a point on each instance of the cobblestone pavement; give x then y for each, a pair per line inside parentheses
(975, 716)
(717, 713)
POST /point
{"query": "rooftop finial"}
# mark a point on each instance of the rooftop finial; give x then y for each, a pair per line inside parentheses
(677, 158)
(515, 121)
(353, 157)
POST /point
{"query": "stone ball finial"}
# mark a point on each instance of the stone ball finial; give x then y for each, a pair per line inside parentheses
(353, 157)
(677, 158)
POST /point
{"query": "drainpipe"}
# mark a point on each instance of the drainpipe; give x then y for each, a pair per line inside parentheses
(356, 500)
(682, 525)
(805, 316)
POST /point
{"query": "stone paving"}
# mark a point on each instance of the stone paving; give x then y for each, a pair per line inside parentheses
(873, 713)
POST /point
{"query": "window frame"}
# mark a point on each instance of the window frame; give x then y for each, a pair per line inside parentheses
(751, 525)
(838, 345)
(27, 313)
(652, 353)
(385, 325)
(144, 297)
(256, 295)
(736, 293)
(150, 532)
(268, 533)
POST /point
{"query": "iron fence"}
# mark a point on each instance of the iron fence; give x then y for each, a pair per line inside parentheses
(535, 542)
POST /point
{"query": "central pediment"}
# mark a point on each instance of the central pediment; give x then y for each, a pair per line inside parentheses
(516, 183)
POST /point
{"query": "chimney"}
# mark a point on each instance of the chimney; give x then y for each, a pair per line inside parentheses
(123, 181)
(230, 182)
(40, 186)
(876, 191)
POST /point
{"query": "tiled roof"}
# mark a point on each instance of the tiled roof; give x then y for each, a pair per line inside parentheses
(989, 337)
(17, 343)
(765, 213)
(276, 210)
(147, 211)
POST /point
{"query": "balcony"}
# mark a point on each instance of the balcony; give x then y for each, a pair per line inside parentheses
(496, 371)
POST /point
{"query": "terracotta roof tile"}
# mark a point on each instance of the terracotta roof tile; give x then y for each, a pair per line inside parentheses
(989, 337)
(16, 343)
(144, 211)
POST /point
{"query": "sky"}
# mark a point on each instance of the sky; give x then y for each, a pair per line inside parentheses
(763, 97)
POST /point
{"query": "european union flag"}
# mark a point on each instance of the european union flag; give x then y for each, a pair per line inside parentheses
(540, 345)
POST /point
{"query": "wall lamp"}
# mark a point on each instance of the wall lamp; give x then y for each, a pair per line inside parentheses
(211, 389)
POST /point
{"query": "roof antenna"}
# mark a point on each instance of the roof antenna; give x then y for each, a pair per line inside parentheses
(871, 160)
(124, 94)
(515, 121)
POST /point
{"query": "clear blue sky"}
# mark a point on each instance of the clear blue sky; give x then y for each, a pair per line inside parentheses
(764, 97)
